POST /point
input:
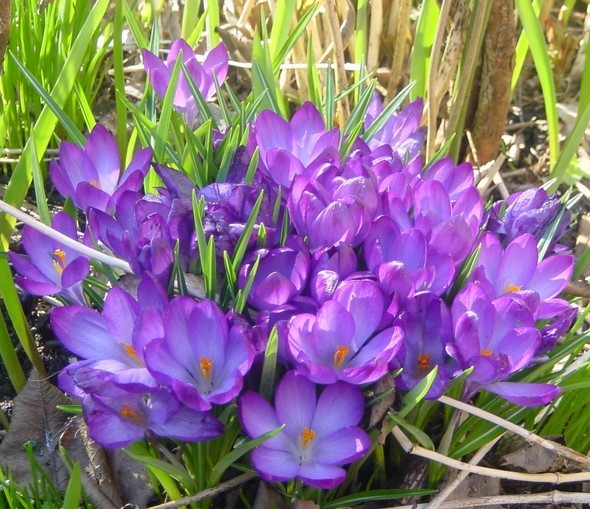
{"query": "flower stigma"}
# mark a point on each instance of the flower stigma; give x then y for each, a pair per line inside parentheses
(131, 415)
(307, 435)
(339, 356)
(424, 362)
(59, 262)
(130, 350)
(512, 288)
(206, 366)
(486, 352)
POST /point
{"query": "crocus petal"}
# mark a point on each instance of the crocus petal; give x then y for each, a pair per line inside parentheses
(274, 465)
(343, 446)
(75, 271)
(552, 276)
(321, 476)
(295, 402)
(525, 394)
(189, 425)
(102, 150)
(340, 405)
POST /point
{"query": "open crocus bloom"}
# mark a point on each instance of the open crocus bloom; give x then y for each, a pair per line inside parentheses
(92, 176)
(214, 67)
(319, 436)
(51, 268)
(516, 272)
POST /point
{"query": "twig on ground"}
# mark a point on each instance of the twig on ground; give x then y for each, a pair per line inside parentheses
(562, 450)
(438, 500)
(549, 477)
(211, 492)
(552, 497)
(64, 239)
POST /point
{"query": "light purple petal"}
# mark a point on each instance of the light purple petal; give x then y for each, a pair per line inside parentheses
(295, 402)
(321, 476)
(340, 405)
(274, 465)
(525, 394)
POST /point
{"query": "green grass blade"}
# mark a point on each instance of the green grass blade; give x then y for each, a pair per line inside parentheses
(536, 37)
(40, 195)
(387, 112)
(570, 147)
(9, 359)
(282, 15)
(294, 36)
(522, 50)
(190, 17)
(74, 489)
(212, 8)
(423, 41)
(374, 496)
(120, 109)
(330, 100)
(361, 36)
(45, 125)
(73, 132)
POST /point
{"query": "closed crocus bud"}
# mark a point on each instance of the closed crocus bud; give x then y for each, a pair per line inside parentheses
(93, 176)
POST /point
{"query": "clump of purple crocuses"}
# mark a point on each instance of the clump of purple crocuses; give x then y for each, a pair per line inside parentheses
(351, 264)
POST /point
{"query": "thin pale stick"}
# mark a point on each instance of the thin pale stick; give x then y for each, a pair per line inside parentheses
(438, 500)
(64, 239)
(211, 492)
(552, 497)
(529, 436)
(550, 477)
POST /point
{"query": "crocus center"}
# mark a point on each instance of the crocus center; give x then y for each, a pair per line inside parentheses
(340, 355)
(59, 261)
(509, 288)
(206, 366)
(129, 350)
(131, 415)
(307, 435)
(486, 352)
(423, 362)
(95, 183)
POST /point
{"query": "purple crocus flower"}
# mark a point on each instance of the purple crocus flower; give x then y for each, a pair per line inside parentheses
(281, 275)
(287, 149)
(50, 267)
(331, 209)
(214, 67)
(342, 342)
(515, 272)
(116, 418)
(427, 326)
(401, 131)
(199, 356)
(319, 436)
(139, 233)
(92, 176)
(497, 338)
(108, 339)
(530, 211)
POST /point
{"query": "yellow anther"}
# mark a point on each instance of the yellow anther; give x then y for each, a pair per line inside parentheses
(206, 366)
(340, 355)
(59, 264)
(131, 415)
(129, 350)
(512, 288)
(424, 362)
(307, 435)
(95, 183)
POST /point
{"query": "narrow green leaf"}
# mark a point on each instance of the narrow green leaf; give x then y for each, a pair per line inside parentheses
(9, 358)
(423, 439)
(294, 34)
(246, 234)
(269, 366)
(536, 37)
(237, 453)
(387, 112)
(418, 393)
(375, 495)
(74, 489)
(43, 129)
(423, 41)
(40, 196)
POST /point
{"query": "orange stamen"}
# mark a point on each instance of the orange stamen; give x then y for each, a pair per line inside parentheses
(129, 350)
(340, 355)
(424, 362)
(307, 435)
(487, 352)
(131, 415)
(60, 264)
(206, 366)
(511, 288)
(95, 183)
